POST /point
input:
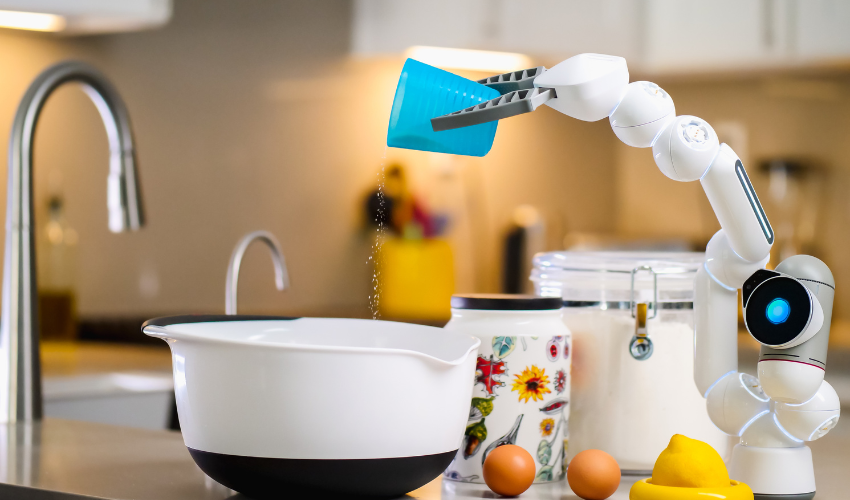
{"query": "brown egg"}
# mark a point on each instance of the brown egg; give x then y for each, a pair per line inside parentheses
(509, 470)
(593, 475)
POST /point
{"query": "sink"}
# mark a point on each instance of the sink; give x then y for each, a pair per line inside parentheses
(131, 399)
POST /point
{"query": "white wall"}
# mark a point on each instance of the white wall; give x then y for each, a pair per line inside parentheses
(252, 115)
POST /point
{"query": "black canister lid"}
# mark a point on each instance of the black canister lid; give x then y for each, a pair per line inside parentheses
(505, 302)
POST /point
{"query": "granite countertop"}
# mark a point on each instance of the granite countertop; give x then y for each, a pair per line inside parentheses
(61, 459)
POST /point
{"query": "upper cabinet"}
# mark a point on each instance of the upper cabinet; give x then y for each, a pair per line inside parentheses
(686, 36)
(545, 28)
(823, 30)
(84, 16)
(656, 36)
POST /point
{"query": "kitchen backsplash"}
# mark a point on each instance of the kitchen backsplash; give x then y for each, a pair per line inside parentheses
(238, 129)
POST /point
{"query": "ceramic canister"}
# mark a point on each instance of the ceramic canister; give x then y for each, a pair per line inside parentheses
(521, 389)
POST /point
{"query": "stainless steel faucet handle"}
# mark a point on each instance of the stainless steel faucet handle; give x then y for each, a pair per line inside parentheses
(281, 275)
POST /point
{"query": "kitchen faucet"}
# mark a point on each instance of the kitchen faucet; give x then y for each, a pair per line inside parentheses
(281, 276)
(20, 371)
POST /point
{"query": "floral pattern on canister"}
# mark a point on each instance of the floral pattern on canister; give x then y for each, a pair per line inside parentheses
(531, 384)
(475, 435)
(502, 346)
(476, 430)
(520, 396)
(486, 371)
(547, 426)
(555, 407)
(560, 381)
(553, 349)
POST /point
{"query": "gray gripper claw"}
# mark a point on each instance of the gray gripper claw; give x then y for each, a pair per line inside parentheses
(515, 80)
(511, 104)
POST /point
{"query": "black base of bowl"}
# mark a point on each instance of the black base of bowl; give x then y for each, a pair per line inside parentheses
(267, 478)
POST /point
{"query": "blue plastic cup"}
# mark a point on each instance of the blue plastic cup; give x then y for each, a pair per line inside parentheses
(425, 92)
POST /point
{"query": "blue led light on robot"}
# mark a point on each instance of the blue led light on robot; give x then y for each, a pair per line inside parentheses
(778, 311)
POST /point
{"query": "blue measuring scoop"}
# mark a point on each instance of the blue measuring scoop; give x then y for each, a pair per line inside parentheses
(425, 92)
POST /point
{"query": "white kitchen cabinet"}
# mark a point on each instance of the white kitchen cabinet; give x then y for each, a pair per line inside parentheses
(97, 16)
(391, 26)
(656, 36)
(823, 30)
(558, 29)
(682, 36)
(550, 28)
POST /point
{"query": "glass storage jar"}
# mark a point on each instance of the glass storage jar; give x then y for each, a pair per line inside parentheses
(632, 384)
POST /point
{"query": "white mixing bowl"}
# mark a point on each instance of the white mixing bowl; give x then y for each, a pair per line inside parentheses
(355, 406)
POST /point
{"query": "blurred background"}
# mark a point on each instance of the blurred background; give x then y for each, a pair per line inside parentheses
(273, 115)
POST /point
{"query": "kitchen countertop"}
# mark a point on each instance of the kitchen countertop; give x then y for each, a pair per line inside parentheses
(68, 359)
(61, 459)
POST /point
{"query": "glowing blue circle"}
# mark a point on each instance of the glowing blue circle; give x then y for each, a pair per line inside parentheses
(778, 311)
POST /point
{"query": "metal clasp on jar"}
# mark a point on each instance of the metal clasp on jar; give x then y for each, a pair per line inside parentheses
(641, 345)
(632, 303)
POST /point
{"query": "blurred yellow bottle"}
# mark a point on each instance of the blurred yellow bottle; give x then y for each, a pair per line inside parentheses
(416, 279)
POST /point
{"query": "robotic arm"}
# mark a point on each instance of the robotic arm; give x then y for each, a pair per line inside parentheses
(788, 311)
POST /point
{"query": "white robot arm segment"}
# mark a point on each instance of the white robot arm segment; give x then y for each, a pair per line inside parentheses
(737, 207)
(685, 148)
(588, 86)
(715, 332)
(789, 402)
(644, 112)
(814, 418)
(735, 402)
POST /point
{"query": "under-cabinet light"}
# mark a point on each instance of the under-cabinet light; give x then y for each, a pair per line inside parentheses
(477, 60)
(34, 21)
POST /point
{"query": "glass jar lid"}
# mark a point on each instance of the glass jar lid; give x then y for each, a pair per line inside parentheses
(586, 278)
(505, 302)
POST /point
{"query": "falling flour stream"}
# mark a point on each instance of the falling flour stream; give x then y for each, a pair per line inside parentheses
(375, 295)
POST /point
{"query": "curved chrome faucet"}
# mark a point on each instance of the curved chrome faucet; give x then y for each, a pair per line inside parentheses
(20, 371)
(281, 276)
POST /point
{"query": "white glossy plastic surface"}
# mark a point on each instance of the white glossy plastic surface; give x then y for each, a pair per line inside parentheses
(813, 419)
(733, 208)
(774, 471)
(735, 402)
(789, 381)
(320, 388)
(685, 148)
(727, 266)
(588, 86)
(642, 114)
(766, 432)
(715, 331)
